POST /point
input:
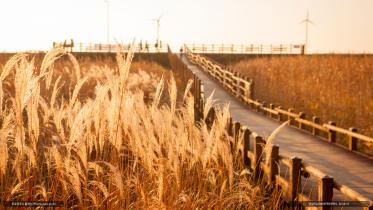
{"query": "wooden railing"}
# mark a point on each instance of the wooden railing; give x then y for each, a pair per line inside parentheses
(243, 88)
(253, 159)
(183, 74)
(246, 49)
(141, 47)
(239, 85)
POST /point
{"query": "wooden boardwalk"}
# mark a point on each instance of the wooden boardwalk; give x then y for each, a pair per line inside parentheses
(348, 168)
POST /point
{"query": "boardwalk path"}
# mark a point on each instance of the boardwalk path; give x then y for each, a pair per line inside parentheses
(348, 168)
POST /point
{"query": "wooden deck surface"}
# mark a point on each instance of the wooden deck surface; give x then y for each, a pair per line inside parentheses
(344, 166)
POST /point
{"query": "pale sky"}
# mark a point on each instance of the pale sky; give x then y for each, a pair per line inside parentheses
(341, 25)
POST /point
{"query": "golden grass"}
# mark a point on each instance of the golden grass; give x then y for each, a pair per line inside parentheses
(87, 136)
(334, 87)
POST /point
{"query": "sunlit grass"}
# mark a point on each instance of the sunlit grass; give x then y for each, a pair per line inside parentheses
(89, 136)
(333, 87)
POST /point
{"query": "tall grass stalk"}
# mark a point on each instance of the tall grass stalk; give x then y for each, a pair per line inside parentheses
(94, 141)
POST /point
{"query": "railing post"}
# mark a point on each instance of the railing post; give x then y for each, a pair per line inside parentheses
(326, 191)
(232, 134)
(332, 136)
(315, 131)
(236, 129)
(251, 89)
(246, 148)
(195, 91)
(247, 85)
(198, 90)
(273, 164)
(352, 141)
(258, 150)
(257, 106)
(302, 115)
(242, 92)
(272, 107)
(294, 178)
(201, 95)
(279, 114)
(194, 87)
(264, 104)
(210, 117)
(230, 126)
(235, 84)
(198, 99)
(291, 110)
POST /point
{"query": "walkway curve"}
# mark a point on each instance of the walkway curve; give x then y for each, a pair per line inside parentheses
(346, 167)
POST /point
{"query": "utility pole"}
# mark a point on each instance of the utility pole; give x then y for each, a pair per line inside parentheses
(158, 26)
(107, 21)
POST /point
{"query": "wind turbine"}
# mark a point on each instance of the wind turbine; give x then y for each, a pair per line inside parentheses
(307, 21)
(107, 21)
(158, 24)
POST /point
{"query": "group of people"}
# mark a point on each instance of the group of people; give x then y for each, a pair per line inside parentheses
(65, 44)
(144, 46)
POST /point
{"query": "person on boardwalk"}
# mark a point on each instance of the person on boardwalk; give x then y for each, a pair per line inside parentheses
(140, 46)
(147, 46)
(181, 52)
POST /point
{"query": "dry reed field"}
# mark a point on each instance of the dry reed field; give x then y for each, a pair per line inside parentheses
(95, 136)
(334, 87)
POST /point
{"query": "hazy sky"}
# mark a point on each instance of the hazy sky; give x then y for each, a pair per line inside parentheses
(341, 25)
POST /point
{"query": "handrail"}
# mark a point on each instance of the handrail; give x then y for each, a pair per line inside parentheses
(287, 113)
(253, 159)
(142, 47)
(239, 85)
(350, 192)
(246, 49)
(314, 171)
(312, 124)
(303, 169)
(349, 133)
(243, 88)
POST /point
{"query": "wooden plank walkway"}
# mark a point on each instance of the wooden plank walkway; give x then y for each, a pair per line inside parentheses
(346, 167)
